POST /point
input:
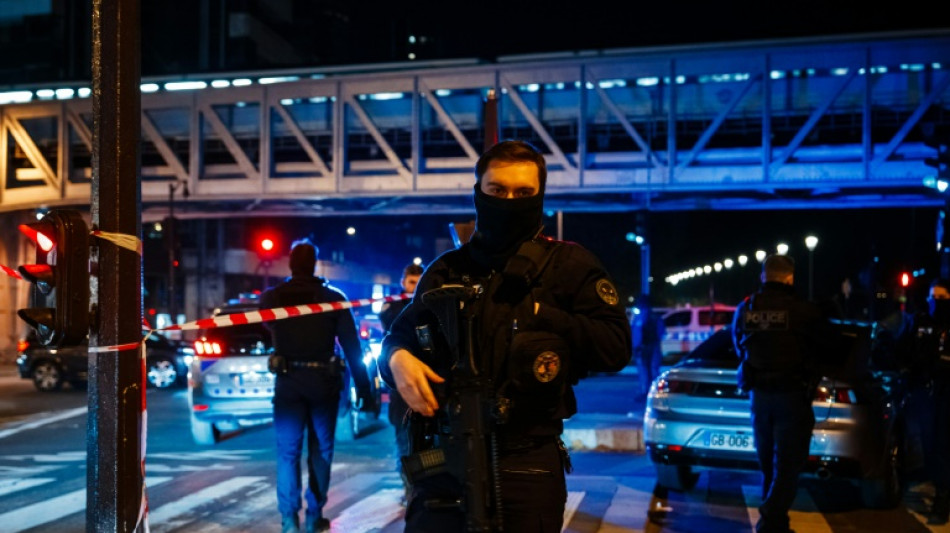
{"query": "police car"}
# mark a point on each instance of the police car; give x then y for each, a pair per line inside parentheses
(687, 327)
(229, 386)
(697, 419)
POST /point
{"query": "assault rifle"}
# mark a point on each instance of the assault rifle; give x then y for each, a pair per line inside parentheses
(467, 447)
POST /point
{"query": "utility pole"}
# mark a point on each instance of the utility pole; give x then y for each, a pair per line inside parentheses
(172, 243)
(115, 477)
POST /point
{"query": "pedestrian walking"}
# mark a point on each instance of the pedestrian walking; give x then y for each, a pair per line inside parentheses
(779, 338)
(542, 314)
(648, 332)
(309, 383)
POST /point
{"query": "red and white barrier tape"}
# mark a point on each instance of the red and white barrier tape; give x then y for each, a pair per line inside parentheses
(278, 313)
(10, 272)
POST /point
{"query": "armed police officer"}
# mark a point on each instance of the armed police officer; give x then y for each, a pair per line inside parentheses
(531, 316)
(925, 351)
(397, 406)
(309, 383)
(779, 338)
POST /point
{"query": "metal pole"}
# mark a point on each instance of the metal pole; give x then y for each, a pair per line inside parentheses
(811, 275)
(114, 482)
(172, 236)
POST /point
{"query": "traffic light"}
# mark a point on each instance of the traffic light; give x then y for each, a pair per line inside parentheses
(60, 278)
(941, 163)
(905, 279)
(266, 247)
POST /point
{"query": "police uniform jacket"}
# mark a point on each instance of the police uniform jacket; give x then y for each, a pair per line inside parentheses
(580, 318)
(312, 338)
(778, 338)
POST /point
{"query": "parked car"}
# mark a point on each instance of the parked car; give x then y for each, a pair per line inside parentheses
(687, 327)
(166, 362)
(230, 386)
(697, 418)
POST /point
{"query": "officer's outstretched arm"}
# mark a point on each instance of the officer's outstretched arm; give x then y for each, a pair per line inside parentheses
(412, 378)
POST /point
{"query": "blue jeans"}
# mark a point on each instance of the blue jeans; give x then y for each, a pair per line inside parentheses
(782, 422)
(305, 399)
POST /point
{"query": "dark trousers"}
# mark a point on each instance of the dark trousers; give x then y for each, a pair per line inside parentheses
(939, 453)
(533, 492)
(305, 399)
(782, 422)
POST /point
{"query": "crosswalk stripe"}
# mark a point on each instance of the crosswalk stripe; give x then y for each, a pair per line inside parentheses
(371, 513)
(160, 519)
(804, 515)
(8, 486)
(53, 509)
(570, 507)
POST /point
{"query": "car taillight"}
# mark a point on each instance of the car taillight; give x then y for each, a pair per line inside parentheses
(835, 395)
(673, 386)
(21, 346)
(364, 332)
(207, 348)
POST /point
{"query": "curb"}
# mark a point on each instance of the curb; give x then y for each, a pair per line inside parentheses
(604, 433)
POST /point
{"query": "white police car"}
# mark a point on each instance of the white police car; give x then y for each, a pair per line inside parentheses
(687, 327)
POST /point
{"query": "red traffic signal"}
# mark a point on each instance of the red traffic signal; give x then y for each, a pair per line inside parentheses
(267, 245)
(905, 279)
(59, 309)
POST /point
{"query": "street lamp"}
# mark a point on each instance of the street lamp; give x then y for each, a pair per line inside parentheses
(743, 259)
(760, 255)
(811, 242)
(782, 248)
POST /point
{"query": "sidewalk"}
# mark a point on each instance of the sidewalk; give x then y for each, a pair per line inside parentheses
(608, 417)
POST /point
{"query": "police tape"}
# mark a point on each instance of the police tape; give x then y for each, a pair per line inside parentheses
(10, 272)
(278, 313)
(253, 317)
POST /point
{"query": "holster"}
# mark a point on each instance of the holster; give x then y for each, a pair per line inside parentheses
(277, 364)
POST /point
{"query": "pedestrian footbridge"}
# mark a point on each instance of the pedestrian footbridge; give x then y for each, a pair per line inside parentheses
(818, 123)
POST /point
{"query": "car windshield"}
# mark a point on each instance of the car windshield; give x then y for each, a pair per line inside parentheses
(715, 352)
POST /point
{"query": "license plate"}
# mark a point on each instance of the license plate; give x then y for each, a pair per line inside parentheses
(248, 380)
(731, 441)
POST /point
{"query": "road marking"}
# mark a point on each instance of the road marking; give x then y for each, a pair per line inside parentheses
(161, 519)
(43, 420)
(8, 486)
(570, 507)
(45, 511)
(371, 513)
(804, 517)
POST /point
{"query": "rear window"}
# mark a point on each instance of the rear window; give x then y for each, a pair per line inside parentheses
(244, 339)
(715, 318)
(677, 319)
(717, 349)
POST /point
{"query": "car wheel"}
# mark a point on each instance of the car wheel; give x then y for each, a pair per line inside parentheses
(885, 492)
(47, 376)
(676, 477)
(204, 433)
(161, 373)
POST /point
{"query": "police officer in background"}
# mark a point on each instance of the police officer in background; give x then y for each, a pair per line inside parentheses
(548, 315)
(925, 353)
(779, 338)
(309, 383)
(397, 406)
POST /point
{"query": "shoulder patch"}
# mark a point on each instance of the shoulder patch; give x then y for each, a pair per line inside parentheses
(607, 292)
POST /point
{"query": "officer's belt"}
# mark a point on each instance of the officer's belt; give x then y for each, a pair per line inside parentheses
(313, 364)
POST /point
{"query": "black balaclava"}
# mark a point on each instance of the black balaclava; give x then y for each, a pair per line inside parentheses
(940, 310)
(502, 224)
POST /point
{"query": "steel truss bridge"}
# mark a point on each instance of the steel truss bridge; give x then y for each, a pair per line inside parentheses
(808, 123)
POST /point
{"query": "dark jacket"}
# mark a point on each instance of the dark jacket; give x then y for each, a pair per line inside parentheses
(578, 303)
(923, 348)
(314, 337)
(779, 338)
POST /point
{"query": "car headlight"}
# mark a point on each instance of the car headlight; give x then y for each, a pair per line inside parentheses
(188, 359)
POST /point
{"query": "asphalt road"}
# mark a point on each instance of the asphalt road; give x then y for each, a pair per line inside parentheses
(230, 487)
